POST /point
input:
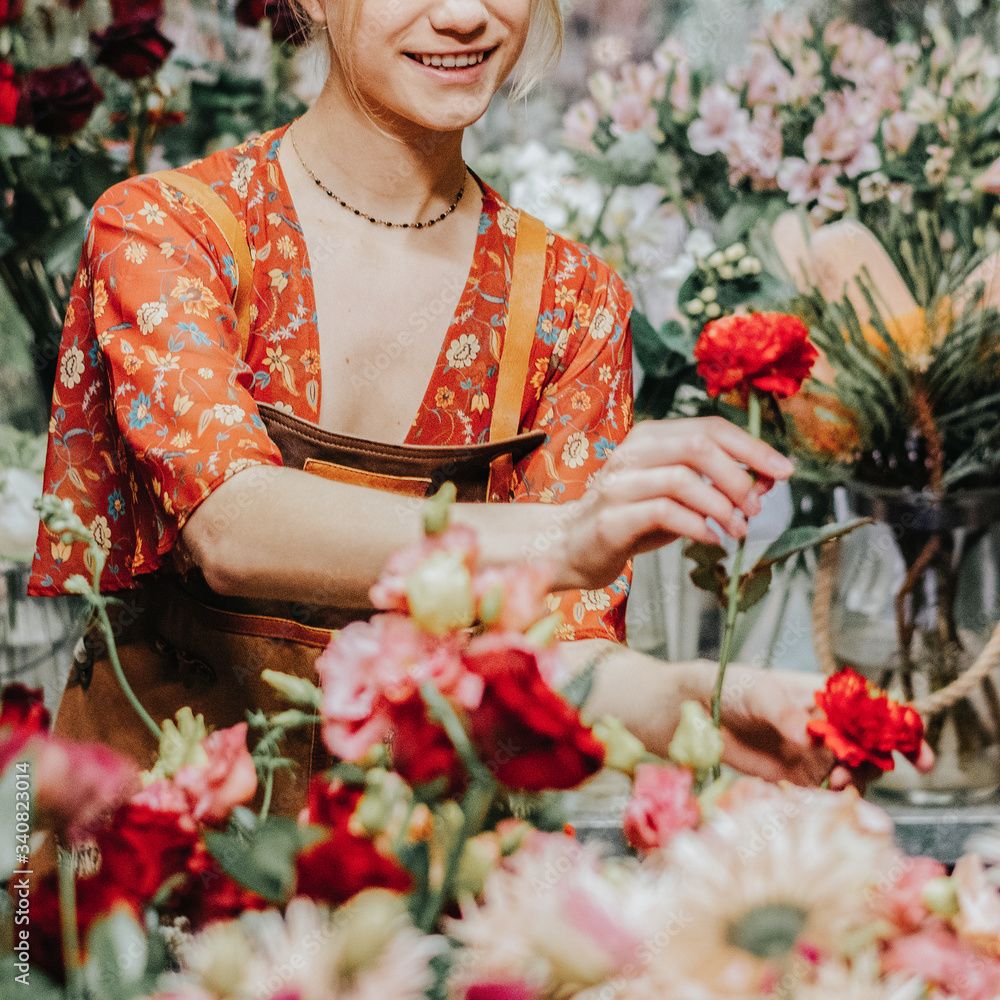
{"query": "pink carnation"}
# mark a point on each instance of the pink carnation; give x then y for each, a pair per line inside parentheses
(944, 961)
(389, 593)
(523, 591)
(661, 806)
(902, 904)
(228, 779)
(79, 785)
(372, 664)
(165, 796)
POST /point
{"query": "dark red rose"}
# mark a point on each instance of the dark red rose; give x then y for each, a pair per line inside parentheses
(862, 724)
(13, 110)
(63, 98)
(342, 864)
(137, 10)
(769, 352)
(22, 715)
(421, 750)
(132, 49)
(526, 734)
(10, 11)
(285, 25)
(209, 894)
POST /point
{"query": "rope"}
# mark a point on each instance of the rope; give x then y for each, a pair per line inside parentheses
(933, 703)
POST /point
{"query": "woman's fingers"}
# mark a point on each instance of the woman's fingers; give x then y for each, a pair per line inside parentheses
(639, 526)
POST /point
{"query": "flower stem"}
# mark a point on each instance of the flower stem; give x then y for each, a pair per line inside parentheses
(67, 918)
(732, 597)
(104, 624)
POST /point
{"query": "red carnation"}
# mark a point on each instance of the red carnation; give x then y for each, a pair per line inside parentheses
(862, 724)
(129, 10)
(133, 48)
(22, 715)
(342, 864)
(769, 352)
(10, 11)
(421, 749)
(12, 96)
(526, 734)
(63, 98)
(285, 26)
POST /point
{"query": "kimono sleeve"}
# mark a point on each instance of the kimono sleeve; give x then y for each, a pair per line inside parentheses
(161, 283)
(586, 409)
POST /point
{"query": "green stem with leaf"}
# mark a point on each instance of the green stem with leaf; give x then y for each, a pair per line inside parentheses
(67, 919)
(733, 594)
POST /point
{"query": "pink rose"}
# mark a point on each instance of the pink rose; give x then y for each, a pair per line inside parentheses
(661, 805)
(228, 779)
(902, 904)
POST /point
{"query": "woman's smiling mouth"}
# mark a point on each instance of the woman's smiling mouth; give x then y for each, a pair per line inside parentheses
(451, 60)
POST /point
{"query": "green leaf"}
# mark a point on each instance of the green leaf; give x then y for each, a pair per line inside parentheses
(708, 573)
(753, 587)
(117, 953)
(32, 984)
(263, 860)
(806, 537)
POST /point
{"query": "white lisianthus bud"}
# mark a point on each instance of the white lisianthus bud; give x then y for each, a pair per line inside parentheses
(697, 742)
(708, 295)
(727, 272)
(297, 690)
(940, 895)
(480, 856)
(695, 307)
(623, 750)
(749, 265)
(736, 252)
(439, 592)
(713, 310)
(717, 259)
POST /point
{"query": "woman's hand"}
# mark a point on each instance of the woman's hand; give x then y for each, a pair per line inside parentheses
(665, 481)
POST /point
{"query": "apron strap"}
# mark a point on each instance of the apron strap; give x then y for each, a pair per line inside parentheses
(220, 213)
(525, 299)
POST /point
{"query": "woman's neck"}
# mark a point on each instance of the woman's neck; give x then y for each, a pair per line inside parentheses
(397, 172)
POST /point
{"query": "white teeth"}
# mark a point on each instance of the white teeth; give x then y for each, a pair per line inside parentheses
(452, 62)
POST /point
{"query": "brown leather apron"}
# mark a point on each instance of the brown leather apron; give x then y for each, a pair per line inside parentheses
(182, 644)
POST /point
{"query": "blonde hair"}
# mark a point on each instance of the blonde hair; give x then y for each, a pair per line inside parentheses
(541, 50)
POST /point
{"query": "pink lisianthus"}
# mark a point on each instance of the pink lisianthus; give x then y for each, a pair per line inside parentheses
(79, 785)
(228, 779)
(989, 179)
(579, 125)
(805, 183)
(898, 131)
(768, 81)
(721, 121)
(756, 151)
(631, 113)
(671, 58)
(389, 593)
(662, 804)
(902, 903)
(521, 589)
(843, 133)
(373, 664)
(978, 918)
(944, 961)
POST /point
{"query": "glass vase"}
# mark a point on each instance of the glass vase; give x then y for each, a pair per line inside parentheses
(917, 598)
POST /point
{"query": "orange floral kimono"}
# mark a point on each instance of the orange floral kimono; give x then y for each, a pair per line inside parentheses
(154, 407)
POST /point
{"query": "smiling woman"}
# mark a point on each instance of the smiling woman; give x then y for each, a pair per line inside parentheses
(271, 354)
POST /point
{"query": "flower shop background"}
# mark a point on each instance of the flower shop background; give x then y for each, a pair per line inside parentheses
(210, 72)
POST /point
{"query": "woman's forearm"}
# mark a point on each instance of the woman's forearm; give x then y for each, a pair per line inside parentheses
(329, 541)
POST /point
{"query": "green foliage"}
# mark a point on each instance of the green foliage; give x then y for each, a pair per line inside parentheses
(123, 962)
(261, 855)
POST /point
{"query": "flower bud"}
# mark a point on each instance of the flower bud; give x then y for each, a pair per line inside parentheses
(366, 926)
(77, 584)
(736, 252)
(297, 690)
(437, 510)
(717, 259)
(749, 265)
(386, 795)
(695, 307)
(543, 632)
(480, 856)
(439, 592)
(713, 310)
(293, 718)
(180, 744)
(940, 896)
(708, 294)
(491, 605)
(624, 751)
(697, 742)
(727, 272)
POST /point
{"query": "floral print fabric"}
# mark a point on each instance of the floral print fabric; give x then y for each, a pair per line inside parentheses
(154, 407)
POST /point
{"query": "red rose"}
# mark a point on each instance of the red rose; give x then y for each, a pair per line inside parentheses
(10, 11)
(770, 352)
(285, 26)
(12, 96)
(862, 724)
(129, 10)
(342, 864)
(526, 734)
(210, 894)
(421, 750)
(22, 715)
(133, 48)
(63, 98)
